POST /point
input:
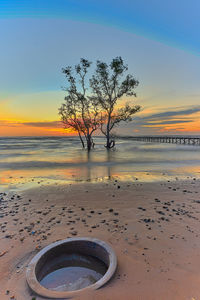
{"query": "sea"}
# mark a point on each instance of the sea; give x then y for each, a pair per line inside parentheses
(26, 162)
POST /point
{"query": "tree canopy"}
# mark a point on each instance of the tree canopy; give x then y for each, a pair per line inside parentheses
(92, 104)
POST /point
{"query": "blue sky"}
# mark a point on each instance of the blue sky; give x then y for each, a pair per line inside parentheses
(175, 22)
(159, 40)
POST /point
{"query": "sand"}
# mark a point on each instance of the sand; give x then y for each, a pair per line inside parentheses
(153, 228)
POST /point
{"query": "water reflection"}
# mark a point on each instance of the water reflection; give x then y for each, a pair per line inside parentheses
(28, 161)
(89, 170)
(110, 158)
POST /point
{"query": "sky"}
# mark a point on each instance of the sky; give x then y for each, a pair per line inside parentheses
(159, 40)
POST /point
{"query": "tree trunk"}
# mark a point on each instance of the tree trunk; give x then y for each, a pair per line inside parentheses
(89, 143)
(82, 142)
(108, 134)
(110, 143)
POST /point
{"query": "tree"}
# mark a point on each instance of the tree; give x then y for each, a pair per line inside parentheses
(70, 117)
(108, 87)
(80, 111)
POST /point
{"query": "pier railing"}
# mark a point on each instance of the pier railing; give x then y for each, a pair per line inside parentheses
(169, 139)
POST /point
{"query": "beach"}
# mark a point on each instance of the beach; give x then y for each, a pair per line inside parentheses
(153, 227)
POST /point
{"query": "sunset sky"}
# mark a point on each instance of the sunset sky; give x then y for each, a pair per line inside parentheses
(159, 40)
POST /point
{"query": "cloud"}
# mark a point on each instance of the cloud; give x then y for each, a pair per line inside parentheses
(8, 123)
(45, 124)
(52, 124)
(167, 117)
(169, 122)
(173, 113)
(185, 119)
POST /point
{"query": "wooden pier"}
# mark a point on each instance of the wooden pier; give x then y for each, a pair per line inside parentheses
(182, 140)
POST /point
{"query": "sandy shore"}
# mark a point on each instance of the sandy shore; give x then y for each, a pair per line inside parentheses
(153, 227)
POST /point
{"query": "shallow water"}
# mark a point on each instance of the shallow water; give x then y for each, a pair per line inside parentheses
(76, 272)
(26, 162)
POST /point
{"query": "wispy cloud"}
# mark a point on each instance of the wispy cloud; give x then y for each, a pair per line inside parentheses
(176, 116)
(44, 124)
(175, 113)
(182, 119)
(9, 123)
(52, 124)
(169, 122)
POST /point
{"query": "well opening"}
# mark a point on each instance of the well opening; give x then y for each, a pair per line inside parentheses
(70, 266)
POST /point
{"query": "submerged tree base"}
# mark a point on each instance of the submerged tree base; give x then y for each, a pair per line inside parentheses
(110, 144)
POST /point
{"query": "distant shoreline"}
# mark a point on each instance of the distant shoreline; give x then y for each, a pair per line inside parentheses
(100, 136)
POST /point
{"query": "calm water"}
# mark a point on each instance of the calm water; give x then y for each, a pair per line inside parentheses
(26, 162)
(77, 272)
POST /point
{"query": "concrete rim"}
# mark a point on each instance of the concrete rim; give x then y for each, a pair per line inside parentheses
(42, 291)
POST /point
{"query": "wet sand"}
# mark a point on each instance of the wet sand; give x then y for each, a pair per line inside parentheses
(154, 229)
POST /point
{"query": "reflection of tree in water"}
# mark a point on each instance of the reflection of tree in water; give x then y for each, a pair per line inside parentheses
(89, 166)
(109, 159)
(108, 168)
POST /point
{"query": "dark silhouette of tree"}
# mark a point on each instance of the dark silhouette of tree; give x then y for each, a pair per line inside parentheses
(80, 112)
(70, 116)
(108, 87)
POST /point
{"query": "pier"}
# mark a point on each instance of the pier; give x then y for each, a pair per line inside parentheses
(182, 140)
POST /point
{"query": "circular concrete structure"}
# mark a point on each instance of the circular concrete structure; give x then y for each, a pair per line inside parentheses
(50, 259)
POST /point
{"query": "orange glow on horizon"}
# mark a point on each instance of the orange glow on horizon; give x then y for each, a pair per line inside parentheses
(13, 126)
(19, 128)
